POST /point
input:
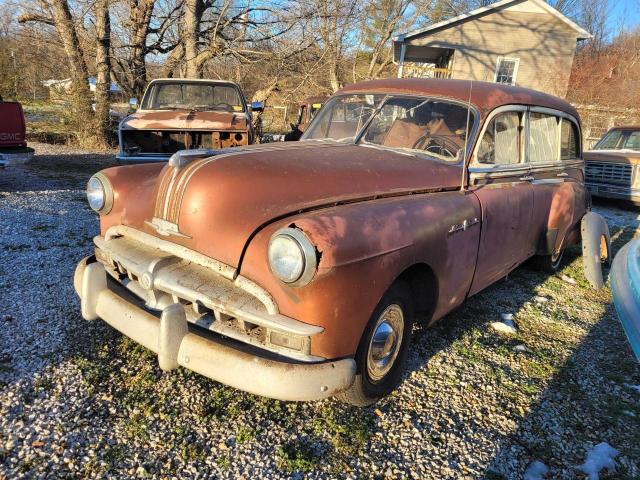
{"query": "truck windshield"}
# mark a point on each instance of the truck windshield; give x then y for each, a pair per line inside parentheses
(434, 126)
(620, 140)
(192, 96)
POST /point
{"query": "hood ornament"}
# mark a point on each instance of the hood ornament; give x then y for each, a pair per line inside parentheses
(182, 158)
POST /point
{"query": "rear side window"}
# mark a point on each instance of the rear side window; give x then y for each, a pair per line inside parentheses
(568, 140)
(543, 138)
(500, 145)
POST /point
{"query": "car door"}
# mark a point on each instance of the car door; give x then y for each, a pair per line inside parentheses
(500, 177)
(556, 168)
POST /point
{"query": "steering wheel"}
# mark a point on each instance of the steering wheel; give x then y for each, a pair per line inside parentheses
(437, 144)
(223, 106)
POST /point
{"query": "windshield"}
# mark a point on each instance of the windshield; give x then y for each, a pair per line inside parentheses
(431, 125)
(620, 140)
(343, 117)
(192, 96)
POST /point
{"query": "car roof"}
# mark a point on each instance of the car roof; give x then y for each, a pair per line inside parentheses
(314, 99)
(628, 127)
(486, 96)
(191, 80)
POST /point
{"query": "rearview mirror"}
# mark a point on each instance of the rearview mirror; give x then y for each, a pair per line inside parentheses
(257, 106)
(133, 103)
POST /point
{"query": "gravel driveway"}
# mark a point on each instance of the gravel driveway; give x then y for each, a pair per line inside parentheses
(77, 399)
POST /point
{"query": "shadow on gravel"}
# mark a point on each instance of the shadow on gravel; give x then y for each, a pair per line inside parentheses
(586, 402)
(65, 171)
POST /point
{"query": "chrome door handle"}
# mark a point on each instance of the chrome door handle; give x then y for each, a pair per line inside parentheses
(562, 175)
(527, 178)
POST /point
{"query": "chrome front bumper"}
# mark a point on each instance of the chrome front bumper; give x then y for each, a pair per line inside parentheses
(613, 191)
(179, 342)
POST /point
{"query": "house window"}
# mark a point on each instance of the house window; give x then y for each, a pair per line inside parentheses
(507, 70)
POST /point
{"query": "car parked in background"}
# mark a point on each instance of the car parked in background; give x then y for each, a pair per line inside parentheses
(13, 133)
(612, 166)
(296, 270)
(309, 107)
(179, 114)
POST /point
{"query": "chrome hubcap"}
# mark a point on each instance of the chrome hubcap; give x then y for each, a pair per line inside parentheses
(385, 342)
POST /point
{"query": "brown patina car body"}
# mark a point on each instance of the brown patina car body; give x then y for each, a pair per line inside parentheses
(425, 227)
(198, 118)
(612, 168)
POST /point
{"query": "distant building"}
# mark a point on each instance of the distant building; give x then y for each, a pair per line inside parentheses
(57, 88)
(519, 42)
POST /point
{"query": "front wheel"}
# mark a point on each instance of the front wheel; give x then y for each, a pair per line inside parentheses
(383, 348)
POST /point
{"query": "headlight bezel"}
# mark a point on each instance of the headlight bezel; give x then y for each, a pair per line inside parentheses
(307, 250)
(107, 193)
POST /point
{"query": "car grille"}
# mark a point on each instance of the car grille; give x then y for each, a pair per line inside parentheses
(605, 172)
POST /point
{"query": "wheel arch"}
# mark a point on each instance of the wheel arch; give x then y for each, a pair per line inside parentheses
(423, 284)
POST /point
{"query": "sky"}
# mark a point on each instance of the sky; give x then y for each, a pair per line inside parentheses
(625, 13)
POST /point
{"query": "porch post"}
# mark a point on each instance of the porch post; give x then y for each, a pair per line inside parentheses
(403, 50)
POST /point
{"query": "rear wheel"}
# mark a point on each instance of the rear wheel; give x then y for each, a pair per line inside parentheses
(383, 348)
(548, 263)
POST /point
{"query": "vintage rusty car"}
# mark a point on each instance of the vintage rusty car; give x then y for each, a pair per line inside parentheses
(295, 270)
(612, 167)
(307, 110)
(179, 114)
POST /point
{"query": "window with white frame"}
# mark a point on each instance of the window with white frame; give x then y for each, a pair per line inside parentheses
(507, 70)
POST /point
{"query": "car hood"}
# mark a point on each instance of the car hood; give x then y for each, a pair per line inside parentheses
(183, 119)
(613, 156)
(215, 205)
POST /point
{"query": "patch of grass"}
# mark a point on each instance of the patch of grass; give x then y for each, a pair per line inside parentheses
(244, 435)
(191, 452)
(115, 455)
(296, 457)
(137, 426)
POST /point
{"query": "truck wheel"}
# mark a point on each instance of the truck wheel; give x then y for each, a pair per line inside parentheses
(548, 263)
(383, 348)
(596, 248)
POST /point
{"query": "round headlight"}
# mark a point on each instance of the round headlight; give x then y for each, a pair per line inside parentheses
(99, 193)
(292, 257)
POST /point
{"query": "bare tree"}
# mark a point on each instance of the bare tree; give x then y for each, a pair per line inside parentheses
(103, 66)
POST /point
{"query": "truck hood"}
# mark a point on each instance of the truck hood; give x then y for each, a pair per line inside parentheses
(613, 156)
(215, 205)
(183, 120)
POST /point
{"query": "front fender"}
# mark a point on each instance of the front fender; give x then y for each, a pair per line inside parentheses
(363, 248)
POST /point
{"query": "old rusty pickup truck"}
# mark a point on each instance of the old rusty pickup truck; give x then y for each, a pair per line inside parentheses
(295, 270)
(178, 114)
(613, 166)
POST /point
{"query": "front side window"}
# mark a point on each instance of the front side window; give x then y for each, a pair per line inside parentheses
(543, 138)
(633, 141)
(502, 140)
(507, 70)
(343, 117)
(192, 96)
